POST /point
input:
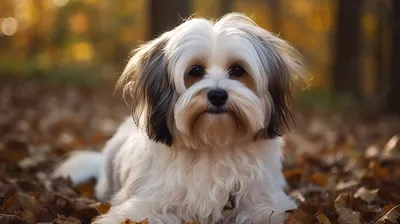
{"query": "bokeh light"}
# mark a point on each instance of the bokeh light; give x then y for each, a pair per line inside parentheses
(78, 22)
(82, 51)
(9, 26)
(60, 3)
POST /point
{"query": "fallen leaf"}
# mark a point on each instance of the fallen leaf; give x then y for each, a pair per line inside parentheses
(11, 219)
(128, 221)
(342, 200)
(102, 208)
(348, 216)
(366, 195)
(391, 144)
(296, 194)
(387, 207)
(319, 178)
(24, 206)
(86, 189)
(293, 173)
(371, 152)
(66, 220)
(84, 211)
(393, 215)
(323, 219)
(298, 216)
(378, 171)
(344, 185)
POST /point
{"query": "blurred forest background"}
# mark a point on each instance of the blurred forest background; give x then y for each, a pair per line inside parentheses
(59, 60)
(350, 46)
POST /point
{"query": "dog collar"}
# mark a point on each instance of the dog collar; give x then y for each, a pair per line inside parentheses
(230, 205)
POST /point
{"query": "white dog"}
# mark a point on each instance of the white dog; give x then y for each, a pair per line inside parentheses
(209, 100)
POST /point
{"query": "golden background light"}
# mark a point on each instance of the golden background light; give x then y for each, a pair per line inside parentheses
(9, 26)
(60, 3)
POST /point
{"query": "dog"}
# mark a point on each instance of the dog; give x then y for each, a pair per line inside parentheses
(210, 101)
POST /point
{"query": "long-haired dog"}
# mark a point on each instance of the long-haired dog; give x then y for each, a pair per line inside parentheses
(210, 101)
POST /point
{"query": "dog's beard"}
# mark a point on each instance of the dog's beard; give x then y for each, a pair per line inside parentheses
(202, 126)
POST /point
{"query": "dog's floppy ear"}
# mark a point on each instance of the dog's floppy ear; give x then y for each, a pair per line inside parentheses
(285, 66)
(281, 63)
(146, 80)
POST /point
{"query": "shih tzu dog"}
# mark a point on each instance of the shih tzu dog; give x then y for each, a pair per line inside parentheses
(210, 101)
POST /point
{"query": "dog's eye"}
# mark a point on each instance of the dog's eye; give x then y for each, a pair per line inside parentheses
(196, 71)
(236, 71)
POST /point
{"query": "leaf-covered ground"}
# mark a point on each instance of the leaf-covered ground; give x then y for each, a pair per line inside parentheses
(340, 169)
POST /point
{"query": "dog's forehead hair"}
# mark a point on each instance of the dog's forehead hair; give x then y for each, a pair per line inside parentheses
(215, 45)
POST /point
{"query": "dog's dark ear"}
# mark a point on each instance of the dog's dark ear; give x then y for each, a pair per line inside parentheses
(146, 80)
(285, 66)
(280, 95)
(281, 63)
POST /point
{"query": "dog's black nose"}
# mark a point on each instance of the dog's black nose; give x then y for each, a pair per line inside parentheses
(217, 97)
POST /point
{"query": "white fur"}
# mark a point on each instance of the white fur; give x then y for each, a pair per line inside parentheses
(166, 185)
(85, 165)
(211, 155)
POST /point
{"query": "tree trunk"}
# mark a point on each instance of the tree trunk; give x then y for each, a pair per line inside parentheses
(275, 15)
(165, 15)
(36, 39)
(393, 103)
(379, 47)
(225, 7)
(346, 72)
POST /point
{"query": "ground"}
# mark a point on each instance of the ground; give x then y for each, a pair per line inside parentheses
(339, 168)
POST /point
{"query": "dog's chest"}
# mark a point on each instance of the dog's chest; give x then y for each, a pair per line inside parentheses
(211, 185)
(213, 181)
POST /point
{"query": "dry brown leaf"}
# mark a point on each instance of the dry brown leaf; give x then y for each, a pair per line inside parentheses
(345, 214)
(393, 215)
(293, 173)
(366, 195)
(102, 208)
(296, 194)
(61, 219)
(11, 219)
(391, 145)
(348, 216)
(17, 149)
(344, 185)
(322, 219)
(387, 207)
(319, 178)
(378, 171)
(343, 200)
(371, 152)
(83, 210)
(24, 206)
(128, 221)
(86, 189)
(298, 216)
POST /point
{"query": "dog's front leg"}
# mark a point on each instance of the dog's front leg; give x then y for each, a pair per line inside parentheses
(137, 210)
(264, 205)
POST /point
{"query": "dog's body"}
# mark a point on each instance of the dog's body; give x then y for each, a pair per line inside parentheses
(164, 185)
(209, 101)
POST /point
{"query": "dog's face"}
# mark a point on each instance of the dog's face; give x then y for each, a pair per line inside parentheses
(206, 85)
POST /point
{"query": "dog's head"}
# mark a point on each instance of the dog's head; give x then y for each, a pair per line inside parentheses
(206, 84)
